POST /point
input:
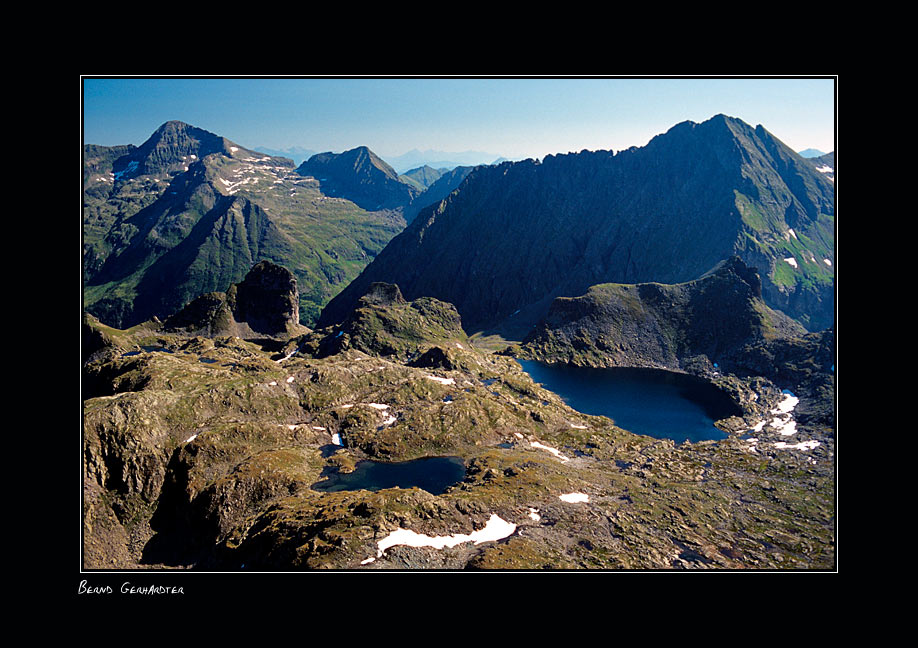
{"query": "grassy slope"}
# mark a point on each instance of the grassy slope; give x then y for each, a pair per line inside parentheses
(203, 245)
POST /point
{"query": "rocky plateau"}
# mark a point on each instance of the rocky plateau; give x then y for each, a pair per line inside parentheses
(204, 439)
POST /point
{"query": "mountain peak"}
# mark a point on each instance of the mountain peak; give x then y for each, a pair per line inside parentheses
(171, 148)
(494, 249)
(173, 124)
(361, 176)
(713, 129)
(175, 131)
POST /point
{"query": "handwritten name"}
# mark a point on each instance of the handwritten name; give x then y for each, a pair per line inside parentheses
(128, 588)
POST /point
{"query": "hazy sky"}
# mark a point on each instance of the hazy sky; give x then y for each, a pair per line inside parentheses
(513, 117)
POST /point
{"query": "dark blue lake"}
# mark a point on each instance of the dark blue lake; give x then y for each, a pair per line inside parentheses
(432, 474)
(652, 402)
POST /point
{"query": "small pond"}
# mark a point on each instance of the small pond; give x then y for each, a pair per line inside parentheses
(653, 402)
(432, 474)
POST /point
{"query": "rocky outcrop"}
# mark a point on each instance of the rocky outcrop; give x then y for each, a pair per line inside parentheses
(383, 323)
(661, 325)
(265, 303)
(804, 363)
(717, 327)
(267, 299)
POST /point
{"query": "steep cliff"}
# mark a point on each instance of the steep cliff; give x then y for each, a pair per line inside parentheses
(265, 303)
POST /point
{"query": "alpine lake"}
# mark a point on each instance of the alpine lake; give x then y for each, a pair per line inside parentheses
(652, 402)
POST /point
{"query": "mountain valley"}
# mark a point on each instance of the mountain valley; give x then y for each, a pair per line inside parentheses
(189, 212)
(257, 332)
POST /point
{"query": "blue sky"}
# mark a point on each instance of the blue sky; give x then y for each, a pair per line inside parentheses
(513, 117)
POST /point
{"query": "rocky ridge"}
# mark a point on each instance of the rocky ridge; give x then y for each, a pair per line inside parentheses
(673, 326)
(442, 187)
(518, 235)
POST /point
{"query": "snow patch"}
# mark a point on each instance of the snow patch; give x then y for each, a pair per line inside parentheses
(336, 439)
(191, 438)
(792, 261)
(803, 445)
(577, 427)
(378, 406)
(495, 529)
(554, 451)
(825, 169)
(442, 381)
(289, 355)
(827, 262)
(574, 498)
(784, 422)
(785, 427)
(534, 514)
(787, 405)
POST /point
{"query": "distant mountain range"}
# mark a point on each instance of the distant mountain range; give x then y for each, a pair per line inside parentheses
(517, 235)
(440, 159)
(360, 176)
(811, 153)
(296, 153)
(422, 177)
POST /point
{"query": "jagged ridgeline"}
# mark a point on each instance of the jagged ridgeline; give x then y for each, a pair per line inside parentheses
(190, 212)
(517, 235)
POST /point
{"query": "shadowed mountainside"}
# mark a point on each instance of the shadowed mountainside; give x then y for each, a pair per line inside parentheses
(520, 234)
